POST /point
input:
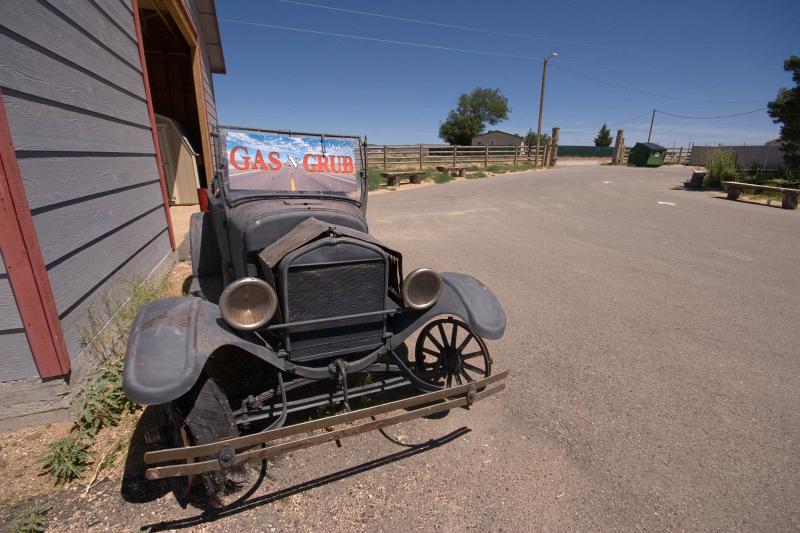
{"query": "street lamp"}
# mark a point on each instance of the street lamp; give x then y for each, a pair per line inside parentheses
(541, 106)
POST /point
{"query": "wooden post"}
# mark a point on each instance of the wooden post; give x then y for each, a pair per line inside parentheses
(455, 153)
(546, 158)
(516, 149)
(555, 134)
(486, 157)
(420, 157)
(384, 157)
(619, 148)
(680, 155)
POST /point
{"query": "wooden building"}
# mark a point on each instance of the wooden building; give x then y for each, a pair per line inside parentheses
(83, 195)
(497, 138)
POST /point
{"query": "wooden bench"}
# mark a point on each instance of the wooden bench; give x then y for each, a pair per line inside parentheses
(454, 171)
(414, 176)
(734, 188)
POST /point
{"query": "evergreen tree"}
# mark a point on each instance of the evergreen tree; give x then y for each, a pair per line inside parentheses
(603, 137)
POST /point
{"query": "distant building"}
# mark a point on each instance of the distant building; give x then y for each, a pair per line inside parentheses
(497, 138)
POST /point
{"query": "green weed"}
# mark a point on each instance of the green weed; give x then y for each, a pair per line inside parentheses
(476, 175)
(32, 519)
(67, 458)
(102, 401)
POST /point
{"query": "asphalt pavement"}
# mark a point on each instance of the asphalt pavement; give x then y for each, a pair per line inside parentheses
(654, 347)
(289, 178)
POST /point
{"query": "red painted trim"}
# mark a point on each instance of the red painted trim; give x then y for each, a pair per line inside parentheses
(151, 114)
(25, 265)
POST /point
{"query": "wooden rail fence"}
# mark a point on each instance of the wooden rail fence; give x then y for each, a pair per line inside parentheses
(674, 156)
(421, 156)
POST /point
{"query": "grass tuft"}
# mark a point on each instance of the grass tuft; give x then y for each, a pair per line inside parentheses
(721, 166)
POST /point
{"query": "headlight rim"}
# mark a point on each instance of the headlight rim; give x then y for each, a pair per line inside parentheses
(413, 275)
(273, 302)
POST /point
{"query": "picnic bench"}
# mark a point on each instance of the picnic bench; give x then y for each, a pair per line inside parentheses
(454, 171)
(734, 188)
(413, 176)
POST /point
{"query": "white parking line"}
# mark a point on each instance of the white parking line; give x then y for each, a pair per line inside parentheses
(667, 203)
(608, 182)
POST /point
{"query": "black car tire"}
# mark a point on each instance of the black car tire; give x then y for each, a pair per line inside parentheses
(207, 414)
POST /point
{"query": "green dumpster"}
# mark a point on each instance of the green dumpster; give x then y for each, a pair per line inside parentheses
(647, 155)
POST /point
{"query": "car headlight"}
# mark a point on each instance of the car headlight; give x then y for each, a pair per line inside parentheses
(248, 303)
(421, 288)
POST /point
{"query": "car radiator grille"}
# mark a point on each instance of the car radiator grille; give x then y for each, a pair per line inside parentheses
(324, 291)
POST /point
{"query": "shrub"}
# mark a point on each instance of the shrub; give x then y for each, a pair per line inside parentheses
(721, 166)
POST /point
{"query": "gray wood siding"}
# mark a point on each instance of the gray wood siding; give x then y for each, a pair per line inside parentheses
(15, 352)
(74, 95)
(211, 105)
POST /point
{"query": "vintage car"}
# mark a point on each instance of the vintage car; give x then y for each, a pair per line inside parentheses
(294, 307)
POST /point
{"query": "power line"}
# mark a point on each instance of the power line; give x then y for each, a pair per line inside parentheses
(629, 119)
(714, 117)
(377, 40)
(442, 24)
(648, 93)
(466, 51)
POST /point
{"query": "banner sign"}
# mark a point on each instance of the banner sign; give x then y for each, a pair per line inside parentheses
(260, 160)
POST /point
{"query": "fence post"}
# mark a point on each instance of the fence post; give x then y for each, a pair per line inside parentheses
(455, 153)
(516, 149)
(547, 155)
(619, 148)
(554, 146)
(680, 156)
(486, 156)
(384, 157)
(420, 157)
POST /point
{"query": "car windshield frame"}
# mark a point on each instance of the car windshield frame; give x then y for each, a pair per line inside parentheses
(236, 194)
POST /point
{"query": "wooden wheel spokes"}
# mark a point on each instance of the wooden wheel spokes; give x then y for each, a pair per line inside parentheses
(448, 353)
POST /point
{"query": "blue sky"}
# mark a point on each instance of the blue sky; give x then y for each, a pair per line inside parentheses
(711, 58)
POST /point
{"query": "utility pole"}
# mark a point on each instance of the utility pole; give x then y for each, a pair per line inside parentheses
(652, 119)
(541, 107)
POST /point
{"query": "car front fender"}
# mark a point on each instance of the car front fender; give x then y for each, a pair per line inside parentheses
(462, 296)
(170, 342)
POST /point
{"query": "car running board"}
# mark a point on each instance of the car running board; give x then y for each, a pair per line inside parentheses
(223, 454)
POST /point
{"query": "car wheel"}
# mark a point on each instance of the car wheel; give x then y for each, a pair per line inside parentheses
(448, 353)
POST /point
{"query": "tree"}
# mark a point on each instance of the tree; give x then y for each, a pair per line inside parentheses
(530, 139)
(785, 110)
(473, 112)
(459, 129)
(603, 136)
